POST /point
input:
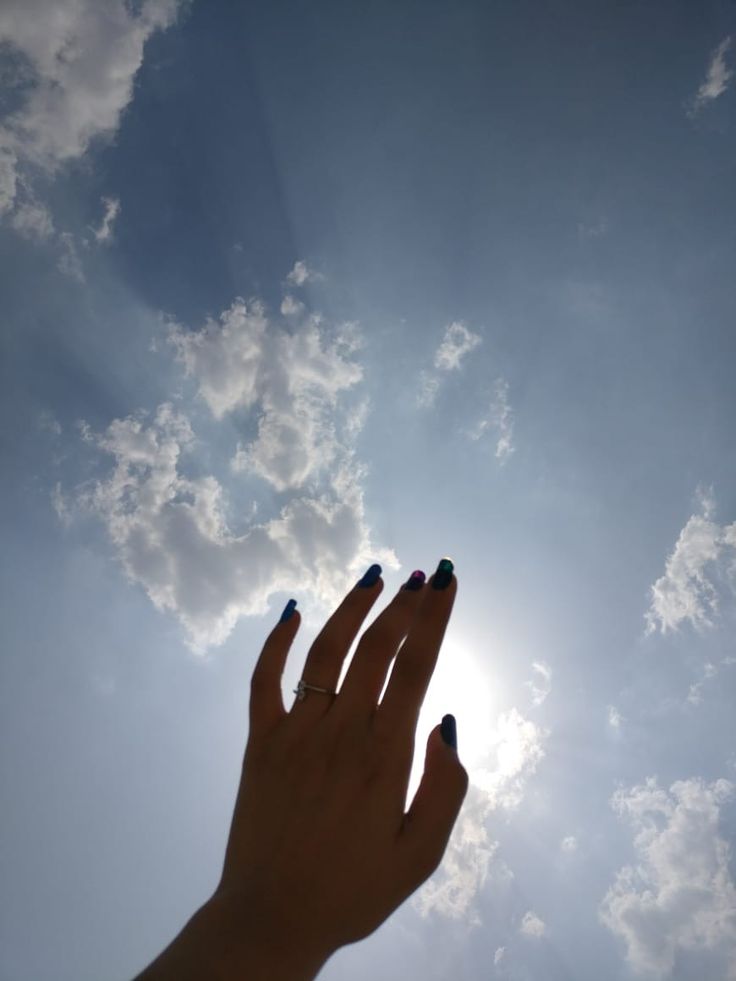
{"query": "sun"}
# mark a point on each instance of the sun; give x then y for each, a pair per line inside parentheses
(462, 684)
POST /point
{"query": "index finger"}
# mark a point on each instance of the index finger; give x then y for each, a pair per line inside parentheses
(417, 658)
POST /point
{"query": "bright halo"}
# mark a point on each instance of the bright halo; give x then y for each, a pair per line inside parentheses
(463, 685)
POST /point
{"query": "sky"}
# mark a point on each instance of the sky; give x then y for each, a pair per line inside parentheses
(287, 289)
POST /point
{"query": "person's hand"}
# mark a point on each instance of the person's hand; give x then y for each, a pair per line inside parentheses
(320, 851)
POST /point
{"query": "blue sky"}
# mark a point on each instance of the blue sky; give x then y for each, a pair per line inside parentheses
(288, 289)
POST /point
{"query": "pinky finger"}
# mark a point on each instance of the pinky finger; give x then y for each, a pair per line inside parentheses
(266, 702)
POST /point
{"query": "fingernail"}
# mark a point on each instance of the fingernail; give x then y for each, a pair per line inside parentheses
(415, 580)
(371, 576)
(449, 731)
(288, 610)
(443, 575)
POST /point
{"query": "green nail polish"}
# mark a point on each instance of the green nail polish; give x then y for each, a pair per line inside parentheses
(443, 575)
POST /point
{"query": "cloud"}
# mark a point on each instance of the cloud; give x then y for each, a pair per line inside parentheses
(593, 229)
(33, 220)
(301, 274)
(69, 262)
(541, 684)
(466, 866)
(614, 717)
(518, 748)
(103, 233)
(291, 307)
(456, 343)
(532, 926)
(429, 385)
(499, 956)
(709, 672)
(170, 531)
(678, 895)
(73, 64)
(716, 80)
(171, 534)
(569, 844)
(687, 590)
(499, 420)
(471, 856)
(294, 380)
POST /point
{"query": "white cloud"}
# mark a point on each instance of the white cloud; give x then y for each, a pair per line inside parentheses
(569, 844)
(466, 866)
(541, 684)
(471, 859)
(695, 692)
(301, 274)
(428, 387)
(48, 423)
(81, 57)
(518, 748)
(532, 926)
(61, 506)
(171, 531)
(499, 956)
(499, 420)
(716, 79)
(33, 220)
(69, 262)
(614, 717)
(457, 342)
(678, 895)
(103, 233)
(593, 229)
(226, 358)
(291, 307)
(171, 534)
(295, 380)
(687, 590)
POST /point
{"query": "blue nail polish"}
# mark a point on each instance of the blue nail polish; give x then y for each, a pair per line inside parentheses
(443, 575)
(371, 576)
(288, 610)
(415, 581)
(449, 731)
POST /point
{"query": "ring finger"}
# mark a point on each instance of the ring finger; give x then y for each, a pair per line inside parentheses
(326, 655)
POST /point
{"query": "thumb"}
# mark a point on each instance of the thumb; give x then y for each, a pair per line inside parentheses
(436, 805)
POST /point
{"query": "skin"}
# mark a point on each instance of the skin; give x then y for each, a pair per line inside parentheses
(320, 851)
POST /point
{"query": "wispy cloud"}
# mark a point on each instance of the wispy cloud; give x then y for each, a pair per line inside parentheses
(541, 682)
(471, 859)
(710, 671)
(716, 80)
(532, 926)
(69, 262)
(33, 220)
(700, 561)
(302, 273)
(499, 420)
(454, 347)
(678, 895)
(615, 719)
(103, 233)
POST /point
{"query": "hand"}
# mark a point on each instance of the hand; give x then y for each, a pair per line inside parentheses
(320, 850)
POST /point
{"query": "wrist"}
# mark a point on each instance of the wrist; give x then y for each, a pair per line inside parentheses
(225, 942)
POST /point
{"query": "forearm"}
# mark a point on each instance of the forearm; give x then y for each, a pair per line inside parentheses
(213, 946)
